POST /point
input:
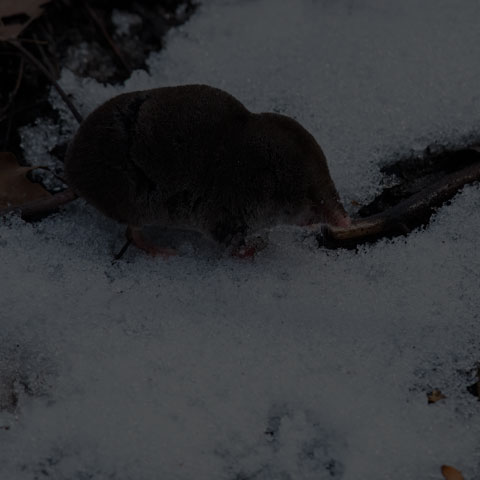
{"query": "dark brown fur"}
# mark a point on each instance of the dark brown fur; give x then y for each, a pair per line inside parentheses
(195, 156)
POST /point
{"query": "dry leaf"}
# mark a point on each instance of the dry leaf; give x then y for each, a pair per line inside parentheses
(435, 395)
(16, 15)
(15, 188)
(451, 473)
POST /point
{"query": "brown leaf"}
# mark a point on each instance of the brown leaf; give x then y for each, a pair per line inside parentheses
(16, 15)
(451, 473)
(435, 395)
(15, 188)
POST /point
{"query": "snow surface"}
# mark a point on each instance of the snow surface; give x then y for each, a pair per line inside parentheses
(124, 21)
(305, 363)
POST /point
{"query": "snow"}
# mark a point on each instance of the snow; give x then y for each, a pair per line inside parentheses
(305, 363)
(124, 21)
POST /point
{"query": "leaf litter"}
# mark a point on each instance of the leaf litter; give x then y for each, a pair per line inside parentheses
(15, 187)
(16, 15)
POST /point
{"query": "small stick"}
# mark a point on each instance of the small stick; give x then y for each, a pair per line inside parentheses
(120, 254)
(11, 102)
(43, 205)
(16, 87)
(418, 207)
(19, 77)
(46, 60)
(46, 28)
(99, 23)
(45, 71)
(34, 41)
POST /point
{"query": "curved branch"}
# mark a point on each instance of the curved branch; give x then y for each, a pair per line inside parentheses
(403, 217)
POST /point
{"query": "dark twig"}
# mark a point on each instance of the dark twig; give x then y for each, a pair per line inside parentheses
(47, 29)
(400, 218)
(45, 59)
(8, 110)
(19, 77)
(35, 41)
(15, 88)
(44, 70)
(120, 254)
(101, 26)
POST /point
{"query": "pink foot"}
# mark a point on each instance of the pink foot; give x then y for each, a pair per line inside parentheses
(244, 252)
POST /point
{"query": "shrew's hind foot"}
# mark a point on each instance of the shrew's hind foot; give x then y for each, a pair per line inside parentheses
(244, 252)
(249, 247)
(135, 235)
